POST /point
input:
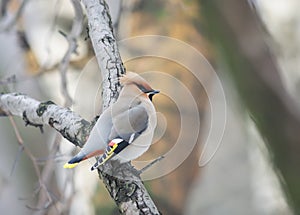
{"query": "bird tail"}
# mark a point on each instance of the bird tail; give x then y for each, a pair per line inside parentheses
(81, 157)
(109, 153)
(74, 161)
(114, 147)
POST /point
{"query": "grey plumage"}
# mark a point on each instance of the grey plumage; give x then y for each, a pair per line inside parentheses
(132, 118)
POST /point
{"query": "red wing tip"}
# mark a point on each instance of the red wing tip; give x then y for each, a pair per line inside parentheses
(115, 141)
(111, 143)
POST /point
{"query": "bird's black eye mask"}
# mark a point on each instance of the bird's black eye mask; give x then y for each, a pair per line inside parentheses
(142, 88)
(149, 92)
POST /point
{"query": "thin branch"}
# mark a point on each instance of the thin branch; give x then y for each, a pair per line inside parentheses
(48, 170)
(17, 159)
(42, 184)
(29, 154)
(21, 145)
(72, 42)
(151, 164)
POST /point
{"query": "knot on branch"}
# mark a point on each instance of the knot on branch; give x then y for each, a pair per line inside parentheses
(43, 107)
(107, 39)
(51, 122)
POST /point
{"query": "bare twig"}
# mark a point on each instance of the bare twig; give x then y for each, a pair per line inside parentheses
(21, 143)
(44, 196)
(8, 104)
(32, 158)
(72, 41)
(63, 67)
(17, 159)
(151, 164)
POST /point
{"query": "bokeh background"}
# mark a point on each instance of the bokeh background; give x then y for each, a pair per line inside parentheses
(239, 179)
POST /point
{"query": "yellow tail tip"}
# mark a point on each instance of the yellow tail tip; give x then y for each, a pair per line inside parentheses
(70, 165)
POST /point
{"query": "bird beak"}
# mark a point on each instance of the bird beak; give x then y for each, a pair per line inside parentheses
(155, 92)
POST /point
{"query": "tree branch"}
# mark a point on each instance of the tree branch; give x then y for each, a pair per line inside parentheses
(121, 180)
(72, 42)
(105, 47)
(35, 113)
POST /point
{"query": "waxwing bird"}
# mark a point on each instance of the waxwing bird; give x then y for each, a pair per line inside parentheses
(124, 131)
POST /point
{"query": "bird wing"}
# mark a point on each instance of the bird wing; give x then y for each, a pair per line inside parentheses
(128, 125)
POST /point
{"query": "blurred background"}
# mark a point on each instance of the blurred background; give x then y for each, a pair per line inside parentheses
(205, 104)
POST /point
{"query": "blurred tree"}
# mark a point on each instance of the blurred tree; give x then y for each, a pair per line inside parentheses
(237, 36)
